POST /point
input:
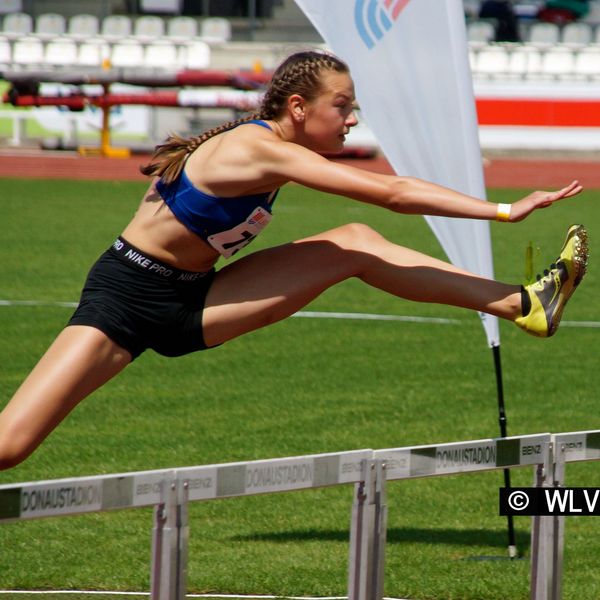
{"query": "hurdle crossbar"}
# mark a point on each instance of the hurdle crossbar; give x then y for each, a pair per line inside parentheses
(463, 457)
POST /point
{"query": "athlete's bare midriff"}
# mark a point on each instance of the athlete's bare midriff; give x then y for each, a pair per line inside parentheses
(156, 231)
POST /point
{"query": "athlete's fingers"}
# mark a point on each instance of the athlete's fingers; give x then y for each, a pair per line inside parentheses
(547, 198)
(578, 189)
(571, 190)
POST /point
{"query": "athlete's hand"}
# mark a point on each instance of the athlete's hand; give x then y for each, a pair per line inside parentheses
(524, 207)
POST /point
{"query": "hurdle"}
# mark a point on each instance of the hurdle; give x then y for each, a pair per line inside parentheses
(477, 456)
(548, 533)
(170, 491)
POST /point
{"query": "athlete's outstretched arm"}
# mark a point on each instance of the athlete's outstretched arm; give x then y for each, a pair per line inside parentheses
(407, 195)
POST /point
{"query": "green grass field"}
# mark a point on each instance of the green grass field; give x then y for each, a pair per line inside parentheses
(303, 386)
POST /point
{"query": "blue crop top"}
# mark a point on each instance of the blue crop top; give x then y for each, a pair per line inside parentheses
(226, 223)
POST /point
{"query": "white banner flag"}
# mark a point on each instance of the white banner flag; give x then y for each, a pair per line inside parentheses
(409, 62)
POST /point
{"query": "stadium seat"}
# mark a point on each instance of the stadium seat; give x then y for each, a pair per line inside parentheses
(527, 9)
(492, 61)
(116, 27)
(49, 25)
(195, 55)
(471, 8)
(517, 64)
(577, 34)
(587, 63)
(161, 55)
(480, 31)
(525, 61)
(28, 52)
(60, 52)
(215, 30)
(16, 25)
(558, 63)
(544, 34)
(182, 28)
(593, 16)
(5, 53)
(83, 26)
(93, 52)
(473, 56)
(127, 53)
(148, 27)
(171, 7)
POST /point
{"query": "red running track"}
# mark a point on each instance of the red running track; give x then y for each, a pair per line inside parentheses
(499, 172)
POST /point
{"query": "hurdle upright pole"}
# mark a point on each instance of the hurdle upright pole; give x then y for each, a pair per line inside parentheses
(558, 521)
(542, 538)
(368, 534)
(168, 545)
(512, 544)
(380, 527)
(183, 536)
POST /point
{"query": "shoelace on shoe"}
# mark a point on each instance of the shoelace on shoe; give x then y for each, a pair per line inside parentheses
(546, 272)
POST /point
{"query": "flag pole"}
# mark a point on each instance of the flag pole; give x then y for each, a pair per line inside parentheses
(512, 546)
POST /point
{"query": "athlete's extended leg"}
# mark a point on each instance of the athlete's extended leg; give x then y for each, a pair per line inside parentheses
(272, 284)
(79, 361)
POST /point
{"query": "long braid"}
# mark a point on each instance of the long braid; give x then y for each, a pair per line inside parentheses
(298, 74)
(169, 157)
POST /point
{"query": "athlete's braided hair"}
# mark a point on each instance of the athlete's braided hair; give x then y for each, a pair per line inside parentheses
(299, 74)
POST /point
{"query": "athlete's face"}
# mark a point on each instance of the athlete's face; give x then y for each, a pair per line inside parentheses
(329, 117)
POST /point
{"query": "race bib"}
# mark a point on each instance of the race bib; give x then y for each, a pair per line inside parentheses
(227, 243)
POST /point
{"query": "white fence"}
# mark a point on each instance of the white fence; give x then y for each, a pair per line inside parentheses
(171, 490)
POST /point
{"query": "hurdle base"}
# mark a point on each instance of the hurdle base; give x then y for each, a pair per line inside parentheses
(106, 152)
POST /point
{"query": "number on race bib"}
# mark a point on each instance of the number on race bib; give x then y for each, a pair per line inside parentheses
(227, 243)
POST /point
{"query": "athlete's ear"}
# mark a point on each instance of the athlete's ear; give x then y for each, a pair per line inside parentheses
(296, 107)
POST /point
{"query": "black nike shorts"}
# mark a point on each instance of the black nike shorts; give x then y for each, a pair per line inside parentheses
(140, 302)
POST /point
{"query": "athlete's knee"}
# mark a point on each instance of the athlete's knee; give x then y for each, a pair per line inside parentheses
(10, 456)
(14, 448)
(356, 234)
(8, 463)
(357, 237)
(360, 246)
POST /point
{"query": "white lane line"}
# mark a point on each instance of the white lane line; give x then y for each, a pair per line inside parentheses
(307, 314)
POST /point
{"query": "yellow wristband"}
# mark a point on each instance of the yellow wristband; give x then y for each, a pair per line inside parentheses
(503, 213)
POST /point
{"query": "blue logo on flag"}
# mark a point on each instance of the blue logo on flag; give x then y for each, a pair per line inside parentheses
(374, 17)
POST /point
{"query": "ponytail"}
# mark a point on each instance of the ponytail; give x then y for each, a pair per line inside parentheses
(169, 158)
